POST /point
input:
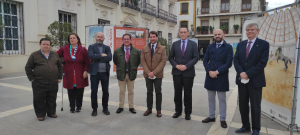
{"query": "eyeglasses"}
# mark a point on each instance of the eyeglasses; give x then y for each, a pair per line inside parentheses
(126, 39)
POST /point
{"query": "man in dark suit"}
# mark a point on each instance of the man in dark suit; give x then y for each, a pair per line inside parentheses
(183, 56)
(250, 59)
(217, 61)
(100, 56)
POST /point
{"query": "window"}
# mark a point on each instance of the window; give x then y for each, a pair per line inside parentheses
(184, 24)
(204, 26)
(159, 33)
(246, 5)
(103, 22)
(184, 8)
(225, 6)
(11, 27)
(69, 18)
(224, 23)
(205, 7)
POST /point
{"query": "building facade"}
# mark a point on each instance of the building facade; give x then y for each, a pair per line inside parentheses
(223, 14)
(26, 22)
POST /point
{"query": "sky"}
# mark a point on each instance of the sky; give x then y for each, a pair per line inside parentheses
(277, 3)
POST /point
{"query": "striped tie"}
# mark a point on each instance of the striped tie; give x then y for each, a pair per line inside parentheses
(183, 47)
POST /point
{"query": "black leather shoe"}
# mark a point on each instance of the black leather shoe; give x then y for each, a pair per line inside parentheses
(176, 115)
(72, 110)
(120, 110)
(223, 124)
(132, 110)
(106, 111)
(188, 117)
(242, 130)
(94, 113)
(78, 109)
(208, 119)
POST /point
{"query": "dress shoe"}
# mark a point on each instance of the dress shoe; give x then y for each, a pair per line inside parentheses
(147, 112)
(94, 113)
(41, 118)
(242, 130)
(176, 115)
(106, 111)
(188, 117)
(255, 132)
(78, 109)
(120, 110)
(72, 110)
(132, 110)
(52, 116)
(223, 124)
(208, 119)
(158, 114)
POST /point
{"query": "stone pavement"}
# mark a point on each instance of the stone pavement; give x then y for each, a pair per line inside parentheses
(17, 115)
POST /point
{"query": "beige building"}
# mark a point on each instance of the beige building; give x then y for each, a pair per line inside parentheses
(26, 22)
(223, 14)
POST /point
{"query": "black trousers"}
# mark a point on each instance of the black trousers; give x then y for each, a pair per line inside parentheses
(44, 98)
(95, 79)
(75, 98)
(247, 93)
(157, 85)
(186, 83)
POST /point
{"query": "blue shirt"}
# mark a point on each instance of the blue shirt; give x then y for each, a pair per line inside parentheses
(185, 43)
(45, 55)
(126, 50)
(219, 43)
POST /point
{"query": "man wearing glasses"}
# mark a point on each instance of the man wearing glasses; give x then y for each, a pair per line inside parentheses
(127, 59)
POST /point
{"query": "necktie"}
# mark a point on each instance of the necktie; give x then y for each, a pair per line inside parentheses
(218, 46)
(127, 54)
(152, 50)
(248, 49)
(182, 49)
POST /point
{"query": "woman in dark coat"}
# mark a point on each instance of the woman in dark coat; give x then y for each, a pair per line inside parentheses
(76, 65)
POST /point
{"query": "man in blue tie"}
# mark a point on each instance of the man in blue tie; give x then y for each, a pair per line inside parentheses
(183, 57)
(250, 59)
(217, 61)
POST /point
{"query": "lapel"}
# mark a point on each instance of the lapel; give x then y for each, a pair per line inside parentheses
(96, 49)
(254, 47)
(188, 46)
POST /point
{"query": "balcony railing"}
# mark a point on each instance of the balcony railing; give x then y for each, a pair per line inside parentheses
(114, 1)
(149, 9)
(206, 31)
(162, 14)
(172, 18)
(129, 5)
(235, 8)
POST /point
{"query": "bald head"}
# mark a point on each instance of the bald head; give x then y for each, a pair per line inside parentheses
(100, 37)
(219, 35)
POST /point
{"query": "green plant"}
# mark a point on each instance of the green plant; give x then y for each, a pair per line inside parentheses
(163, 42)
(211, 28)
(224, 27)
(236, 27)
(58, 33)
(199, 28)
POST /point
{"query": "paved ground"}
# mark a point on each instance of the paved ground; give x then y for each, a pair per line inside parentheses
(17, 114)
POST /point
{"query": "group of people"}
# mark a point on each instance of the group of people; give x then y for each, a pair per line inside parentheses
(45, 70)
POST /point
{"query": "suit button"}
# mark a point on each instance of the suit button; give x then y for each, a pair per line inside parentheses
(245, 63)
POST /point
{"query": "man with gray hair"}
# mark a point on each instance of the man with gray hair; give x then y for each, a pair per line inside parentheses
(217, 61)
(100, 56)
(250, 59)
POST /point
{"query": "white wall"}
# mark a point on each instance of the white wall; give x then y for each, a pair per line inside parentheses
(189, 17)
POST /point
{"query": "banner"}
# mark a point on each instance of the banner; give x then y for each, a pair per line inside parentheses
(108, 32)
(280, 30)
(91, 36)
(138, 39)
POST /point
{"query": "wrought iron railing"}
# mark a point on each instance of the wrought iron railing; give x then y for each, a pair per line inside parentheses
(162, 14)
(133, 5)
(235, 8)
(149, 9)
(172, 18)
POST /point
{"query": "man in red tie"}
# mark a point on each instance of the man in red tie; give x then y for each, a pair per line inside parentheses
(250, 59)
(127, 59)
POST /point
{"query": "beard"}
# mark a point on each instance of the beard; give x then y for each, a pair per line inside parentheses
(99, 41)
(219, 41)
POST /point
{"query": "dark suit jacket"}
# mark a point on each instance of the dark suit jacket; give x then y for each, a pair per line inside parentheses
(96, 58)
(255, 63)
(189, 59)
(218, 59)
